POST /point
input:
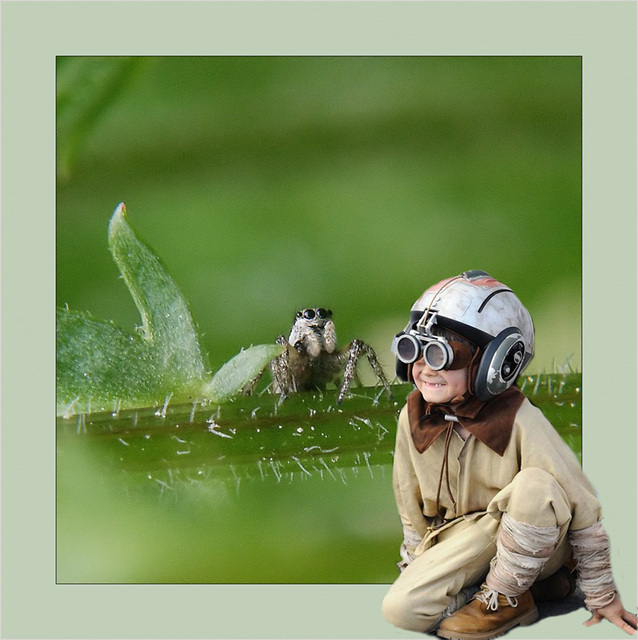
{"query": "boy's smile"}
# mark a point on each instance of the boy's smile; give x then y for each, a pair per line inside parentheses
(439, 386)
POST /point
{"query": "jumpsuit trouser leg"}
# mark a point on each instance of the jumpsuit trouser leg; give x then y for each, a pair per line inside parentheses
(461, 554)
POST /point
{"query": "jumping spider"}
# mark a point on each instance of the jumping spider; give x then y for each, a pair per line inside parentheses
(311, 359)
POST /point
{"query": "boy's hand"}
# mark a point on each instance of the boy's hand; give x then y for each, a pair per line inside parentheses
(616, 613)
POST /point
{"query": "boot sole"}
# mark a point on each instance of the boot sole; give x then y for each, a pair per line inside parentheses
(528, 618)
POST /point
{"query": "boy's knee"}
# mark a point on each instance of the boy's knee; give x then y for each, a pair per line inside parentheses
(535, 497)
(398, 610)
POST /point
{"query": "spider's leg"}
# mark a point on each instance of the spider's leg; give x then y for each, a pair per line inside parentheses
(250, 386)
(376, 367)
(282, 379)
(354, 351)
(351, 353)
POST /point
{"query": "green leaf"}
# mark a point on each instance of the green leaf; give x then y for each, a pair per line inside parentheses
(101, 367)
(167, 324)
(239, 370)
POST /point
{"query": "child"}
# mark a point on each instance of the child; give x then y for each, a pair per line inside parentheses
(486, 489)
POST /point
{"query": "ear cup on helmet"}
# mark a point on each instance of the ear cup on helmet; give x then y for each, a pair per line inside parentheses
(502, 361)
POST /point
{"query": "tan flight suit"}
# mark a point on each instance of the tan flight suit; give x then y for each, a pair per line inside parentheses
(537, 480)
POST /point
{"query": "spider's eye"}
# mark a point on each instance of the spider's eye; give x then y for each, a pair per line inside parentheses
(309, 314)
(324, 313)
(298, 314)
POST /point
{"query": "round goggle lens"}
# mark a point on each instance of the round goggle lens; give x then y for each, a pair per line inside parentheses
(408, 349)
(435, 355)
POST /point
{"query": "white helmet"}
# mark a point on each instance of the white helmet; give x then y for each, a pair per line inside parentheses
(480, 309)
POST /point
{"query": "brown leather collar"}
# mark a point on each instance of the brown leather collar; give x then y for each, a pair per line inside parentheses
(491, 422)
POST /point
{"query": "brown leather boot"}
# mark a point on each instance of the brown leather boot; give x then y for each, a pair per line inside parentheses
(488, 615)
(555, 587)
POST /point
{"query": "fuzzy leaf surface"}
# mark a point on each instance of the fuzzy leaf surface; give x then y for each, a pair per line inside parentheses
(102, 367)
(233, 376)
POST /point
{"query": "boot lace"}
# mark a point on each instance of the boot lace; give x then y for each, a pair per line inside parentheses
(489, 597)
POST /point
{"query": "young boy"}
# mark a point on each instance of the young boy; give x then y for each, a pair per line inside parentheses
(487, 491)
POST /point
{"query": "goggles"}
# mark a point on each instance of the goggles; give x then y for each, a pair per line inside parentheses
(437, 352)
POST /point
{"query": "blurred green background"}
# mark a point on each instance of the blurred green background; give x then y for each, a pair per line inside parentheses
(270, 184)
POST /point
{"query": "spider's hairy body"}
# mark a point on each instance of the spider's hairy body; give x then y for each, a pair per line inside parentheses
(311, 359)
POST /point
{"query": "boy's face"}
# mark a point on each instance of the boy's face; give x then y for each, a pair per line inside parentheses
(439, 386)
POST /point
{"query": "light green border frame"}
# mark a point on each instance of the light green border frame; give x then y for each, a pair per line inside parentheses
(33, 33)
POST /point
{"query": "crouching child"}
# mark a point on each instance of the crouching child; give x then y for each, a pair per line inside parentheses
(496, 511)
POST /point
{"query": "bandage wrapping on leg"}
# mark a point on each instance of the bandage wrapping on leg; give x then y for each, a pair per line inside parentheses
(593, 562)
(522, 550)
